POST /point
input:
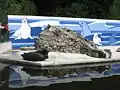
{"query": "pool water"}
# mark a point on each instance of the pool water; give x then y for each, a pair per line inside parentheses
(105, 77)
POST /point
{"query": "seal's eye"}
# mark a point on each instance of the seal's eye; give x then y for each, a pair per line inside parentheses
(68, 30)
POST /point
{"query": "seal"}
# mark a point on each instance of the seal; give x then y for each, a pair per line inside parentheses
(39, 55)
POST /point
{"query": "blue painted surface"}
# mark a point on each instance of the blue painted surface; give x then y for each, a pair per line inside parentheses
(107, 30)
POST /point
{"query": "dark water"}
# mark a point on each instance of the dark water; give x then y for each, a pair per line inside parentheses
(106, 77)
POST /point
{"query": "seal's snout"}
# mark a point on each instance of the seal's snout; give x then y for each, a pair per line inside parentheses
(108, 53)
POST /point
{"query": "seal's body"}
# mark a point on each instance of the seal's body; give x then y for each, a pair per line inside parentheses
(39, 55)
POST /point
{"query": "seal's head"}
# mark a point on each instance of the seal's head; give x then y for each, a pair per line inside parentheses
(24, 20)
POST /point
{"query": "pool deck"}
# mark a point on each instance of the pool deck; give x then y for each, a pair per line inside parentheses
(57, 59)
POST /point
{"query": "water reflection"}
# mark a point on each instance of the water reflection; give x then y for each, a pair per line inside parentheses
(14, 77)
(4, 78)
(24, 76)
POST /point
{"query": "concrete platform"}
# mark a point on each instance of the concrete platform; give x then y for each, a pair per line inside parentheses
(5, 47)
(57, 59)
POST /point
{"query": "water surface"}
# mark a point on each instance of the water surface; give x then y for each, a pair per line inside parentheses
(105, 77)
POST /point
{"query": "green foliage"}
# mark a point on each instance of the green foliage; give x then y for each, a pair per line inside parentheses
(16, 7)
(115, 10)
(84, 9)
(73, 10)
(65, 8)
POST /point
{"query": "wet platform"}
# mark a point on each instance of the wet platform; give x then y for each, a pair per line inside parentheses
(57, 59)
